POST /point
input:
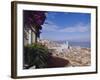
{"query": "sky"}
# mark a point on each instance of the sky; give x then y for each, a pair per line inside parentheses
(69, 26)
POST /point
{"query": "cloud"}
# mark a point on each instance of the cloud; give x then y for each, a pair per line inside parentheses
(79, 27)
(50, 26)
(78, 32)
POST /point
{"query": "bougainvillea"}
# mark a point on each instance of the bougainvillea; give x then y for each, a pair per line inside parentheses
(33, 19)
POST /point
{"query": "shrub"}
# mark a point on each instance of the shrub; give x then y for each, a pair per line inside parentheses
(36, 54)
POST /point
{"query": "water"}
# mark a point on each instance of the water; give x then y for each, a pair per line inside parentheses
(81, 44)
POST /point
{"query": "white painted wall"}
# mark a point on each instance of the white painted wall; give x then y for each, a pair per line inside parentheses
(5, 41)
(29, 36)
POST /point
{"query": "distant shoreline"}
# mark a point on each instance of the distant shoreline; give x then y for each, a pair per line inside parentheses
(85, 44)
(81, 44)
(81, 47)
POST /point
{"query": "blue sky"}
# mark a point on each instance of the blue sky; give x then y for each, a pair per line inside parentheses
(66, 26)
